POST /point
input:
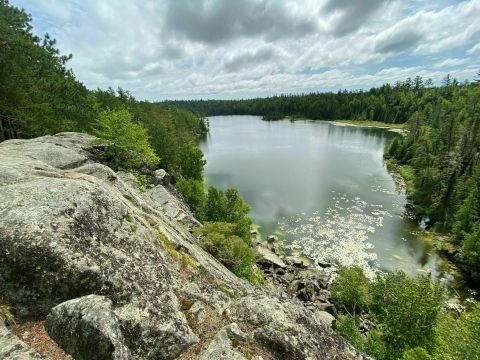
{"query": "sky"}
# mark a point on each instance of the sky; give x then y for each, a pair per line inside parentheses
(224, 49)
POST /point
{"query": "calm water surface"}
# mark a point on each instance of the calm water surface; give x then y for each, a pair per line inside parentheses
(323, 188)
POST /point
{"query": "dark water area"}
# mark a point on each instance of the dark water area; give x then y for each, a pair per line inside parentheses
(323, 188)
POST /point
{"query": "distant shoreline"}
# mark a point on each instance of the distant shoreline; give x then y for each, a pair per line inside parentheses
(397, 128)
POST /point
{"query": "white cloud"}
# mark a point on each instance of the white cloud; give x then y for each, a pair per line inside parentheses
(222, 48)
(474, 50)
(449, 63)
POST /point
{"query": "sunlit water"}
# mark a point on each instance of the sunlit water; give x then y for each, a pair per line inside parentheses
(324, 188)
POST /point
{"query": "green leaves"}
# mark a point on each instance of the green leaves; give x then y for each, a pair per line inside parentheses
(456, 336)
(191, 161)
(130, 148)
(405, 311)
(220, 240)
(351, 290)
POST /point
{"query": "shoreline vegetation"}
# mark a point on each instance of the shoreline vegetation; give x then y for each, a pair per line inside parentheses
(440, 241)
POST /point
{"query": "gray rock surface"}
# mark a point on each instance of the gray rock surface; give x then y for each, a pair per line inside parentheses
(71, 227)
(222, 346)
(12, 348)
(324, 317)
(287, 330)
(269, 258)
(87, 323)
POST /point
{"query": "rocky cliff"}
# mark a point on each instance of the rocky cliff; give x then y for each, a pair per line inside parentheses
(117, 273)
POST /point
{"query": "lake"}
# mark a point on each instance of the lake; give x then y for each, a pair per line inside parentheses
(323, 188)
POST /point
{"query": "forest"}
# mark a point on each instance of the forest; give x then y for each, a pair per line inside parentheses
(439, 157)
(389, 103)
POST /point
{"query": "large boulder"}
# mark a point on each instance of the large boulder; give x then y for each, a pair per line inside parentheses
(87, 323)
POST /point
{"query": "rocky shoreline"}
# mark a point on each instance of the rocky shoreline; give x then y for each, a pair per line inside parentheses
(310, 283)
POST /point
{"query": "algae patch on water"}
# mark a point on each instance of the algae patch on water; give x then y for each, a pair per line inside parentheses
(340, 234)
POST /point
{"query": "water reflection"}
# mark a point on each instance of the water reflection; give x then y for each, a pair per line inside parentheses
(324, 187)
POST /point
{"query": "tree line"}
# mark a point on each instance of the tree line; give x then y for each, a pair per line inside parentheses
(389, 103)
(440, 159)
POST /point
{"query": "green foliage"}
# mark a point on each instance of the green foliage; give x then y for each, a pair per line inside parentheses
(194, 194)
(372, 344)
(406, 310)
(442, 152)
(347, 326)
(417, 353)
(466, 228)
(235, 253)
(351, 290)
(456, 337)
(129, 147)
(191, 161)
(471, 248)
(38, 95)
(389, 103)
(228, 207)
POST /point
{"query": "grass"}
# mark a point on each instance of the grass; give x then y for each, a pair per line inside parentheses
(406, 172)
(370, 123)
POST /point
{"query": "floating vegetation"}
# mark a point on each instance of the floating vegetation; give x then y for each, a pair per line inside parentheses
(340, 234)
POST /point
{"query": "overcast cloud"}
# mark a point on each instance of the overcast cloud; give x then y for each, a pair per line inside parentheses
(234, 49)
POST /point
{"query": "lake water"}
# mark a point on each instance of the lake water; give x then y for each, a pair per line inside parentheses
(323, 188)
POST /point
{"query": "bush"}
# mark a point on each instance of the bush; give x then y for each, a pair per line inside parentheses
(229, 207)
(456, 337)
(350, 290)
(5, 312)
(347, 326)
(417, 353)
(406, 310)
(194, 194)
(219, 239)
(130, 148)
(371, 344)
(191, 161)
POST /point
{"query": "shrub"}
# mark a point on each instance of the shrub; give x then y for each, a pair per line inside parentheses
(130, 148)
(417, 353)
(347, 326)
(406, 310)
(456, 337)
(371, 344)
(194, 194)
(191, 161)
(350, 290)
(229, 207)
(219, 239)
